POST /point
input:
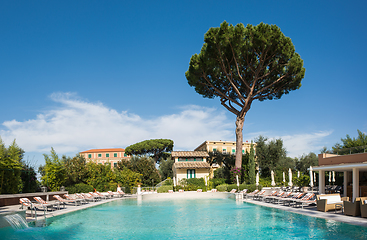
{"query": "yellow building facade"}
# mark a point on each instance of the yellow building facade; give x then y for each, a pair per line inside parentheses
(225, 147)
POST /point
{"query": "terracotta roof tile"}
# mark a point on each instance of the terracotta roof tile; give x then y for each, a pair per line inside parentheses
(104, 150)
(178, 165)
(189, 154)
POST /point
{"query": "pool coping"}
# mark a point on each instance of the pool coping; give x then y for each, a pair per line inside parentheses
(312, 212)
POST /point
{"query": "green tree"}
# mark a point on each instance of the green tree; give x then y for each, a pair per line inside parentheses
(241, 64)
(165, 168)
(305, 161)
(251, 166)
(53, 172)
(358, 144)
(155, 147)
(29, 178)
(143, 165)
(271, 156)
(10, 168)
(76, 170)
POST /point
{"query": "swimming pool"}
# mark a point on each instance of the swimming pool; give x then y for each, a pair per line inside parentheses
(186, 219)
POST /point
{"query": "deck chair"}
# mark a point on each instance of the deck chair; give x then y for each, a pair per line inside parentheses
(67, 196)
(64, 201)
(47, 204)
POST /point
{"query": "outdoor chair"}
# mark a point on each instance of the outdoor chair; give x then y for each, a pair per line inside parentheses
(67, 196)
(326, 202)
(64, 201)
(47, 204)
(352, 208)
(363, 206)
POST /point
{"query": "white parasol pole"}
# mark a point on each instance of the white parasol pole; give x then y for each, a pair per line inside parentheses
(272, 178)
(311, 179)
(290, 177)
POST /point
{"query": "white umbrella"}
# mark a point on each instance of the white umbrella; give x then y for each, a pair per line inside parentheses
(333, 176)
(290, 178)
(257, 179)
(314, 177)
(238, 184)
(311, 179)
(298, 174)
(272, 178)
(329, 177)
(174, 181)
(283, 177)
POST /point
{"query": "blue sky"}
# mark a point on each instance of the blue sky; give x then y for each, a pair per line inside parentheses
(77, 75)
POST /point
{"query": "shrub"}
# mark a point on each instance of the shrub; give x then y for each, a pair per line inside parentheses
(222, 188)
(80, 187)
(164, 188)
(217, 181)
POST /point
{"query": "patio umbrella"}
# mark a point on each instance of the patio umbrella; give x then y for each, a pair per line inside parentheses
(174, 181)
(238, 184)
(311, 179)
(333, 176)
(329, 177)
(257, 179)
(283, 177)
(298, 174)
(272, 178)
(290, 177)
(314, 177)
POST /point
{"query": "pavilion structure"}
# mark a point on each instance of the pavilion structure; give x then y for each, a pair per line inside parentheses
(354, 168)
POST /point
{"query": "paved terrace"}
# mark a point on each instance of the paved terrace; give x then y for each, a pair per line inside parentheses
(312, 212)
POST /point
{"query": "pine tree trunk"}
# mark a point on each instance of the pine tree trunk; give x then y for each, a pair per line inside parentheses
(239, 140)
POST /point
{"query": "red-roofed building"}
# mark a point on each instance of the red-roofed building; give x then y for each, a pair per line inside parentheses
(107, 156)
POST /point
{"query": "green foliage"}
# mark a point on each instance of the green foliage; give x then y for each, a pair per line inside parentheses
(76, 169)
(305, 161)
(164, 188)
(29, 179)
(217, 181)
(156, 147)
(127, 179)
(302, 181)
(192, 184)
(168, 182)
(222, 188)
(53, 172)
(251, 165)
(351, 145)
(10, 168)
(241, 64)
(165, 168)
(143, 165)
(271, 156)
(80, 188)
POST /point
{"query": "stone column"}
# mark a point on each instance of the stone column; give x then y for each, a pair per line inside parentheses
(345, 186)
(322, 182)
(355, 183)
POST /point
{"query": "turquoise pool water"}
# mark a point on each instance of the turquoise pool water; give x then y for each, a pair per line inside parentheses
(186, 219)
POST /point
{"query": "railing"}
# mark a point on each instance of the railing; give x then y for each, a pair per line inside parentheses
(145, 189)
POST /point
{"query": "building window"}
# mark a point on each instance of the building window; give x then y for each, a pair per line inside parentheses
(89, 155)
(99, 155)
(224, 151)
(107, 155)
(214, 149)
(190, 173)
(125, 155)
(115, 155)
(233, 150)
(243, 151)
(115, 164)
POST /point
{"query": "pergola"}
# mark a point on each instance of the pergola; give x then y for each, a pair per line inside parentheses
(353, 163)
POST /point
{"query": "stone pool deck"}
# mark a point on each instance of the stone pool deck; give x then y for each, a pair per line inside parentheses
(68, 209)
(312, 212)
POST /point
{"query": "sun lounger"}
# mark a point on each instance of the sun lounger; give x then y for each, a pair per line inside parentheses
(292, 197)
(121, 193)
(233, 191)
(102, 195)
(64, 201)
(214, 190)
(269, 197)
(89, 197)
(199, 190)
(47, 204)
(170, 191)
(113, 194)
(306, 200)
(251, 194)
(180, 190)
(257, 195)
(95, 195)
(283, 195)
(27, 203)
(67, 196)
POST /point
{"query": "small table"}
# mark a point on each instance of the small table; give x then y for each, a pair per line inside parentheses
(339, 205)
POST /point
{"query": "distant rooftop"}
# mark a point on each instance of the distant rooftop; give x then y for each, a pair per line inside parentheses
(105, 150)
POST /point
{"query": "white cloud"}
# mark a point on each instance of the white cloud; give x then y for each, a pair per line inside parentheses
(303, 143)
(80, 125)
